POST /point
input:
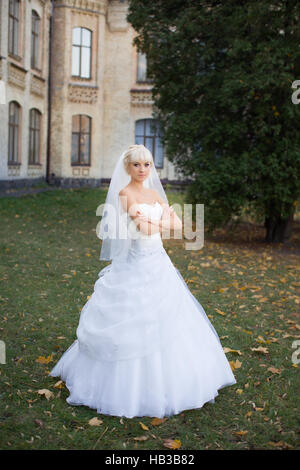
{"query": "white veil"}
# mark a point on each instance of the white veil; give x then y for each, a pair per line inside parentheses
(116, 239)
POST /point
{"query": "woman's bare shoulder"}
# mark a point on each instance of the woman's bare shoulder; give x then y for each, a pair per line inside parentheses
(124, 191)
(156, 197)
(128, 200)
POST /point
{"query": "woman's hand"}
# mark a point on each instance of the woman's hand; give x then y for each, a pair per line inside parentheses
(142, 218)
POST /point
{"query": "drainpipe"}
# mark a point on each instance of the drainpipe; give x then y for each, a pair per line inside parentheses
(48, 179)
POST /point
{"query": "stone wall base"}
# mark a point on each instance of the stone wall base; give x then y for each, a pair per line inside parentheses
(75, 182)
(21, 183)
(78, 183)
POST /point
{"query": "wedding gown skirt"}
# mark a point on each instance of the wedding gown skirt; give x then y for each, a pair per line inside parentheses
(144, 346)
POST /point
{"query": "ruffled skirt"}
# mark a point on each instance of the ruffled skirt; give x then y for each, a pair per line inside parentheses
(144, 346)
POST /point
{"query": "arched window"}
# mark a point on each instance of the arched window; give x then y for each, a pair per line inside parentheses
(147, 132)
(14, 27)
(81, 140)
(35, 29)
(34, 136)
(13, 132)
(81, 52)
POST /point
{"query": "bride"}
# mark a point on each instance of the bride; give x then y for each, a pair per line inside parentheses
(145, 346)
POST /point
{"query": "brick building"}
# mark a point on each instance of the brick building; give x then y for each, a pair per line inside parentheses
(74, 93)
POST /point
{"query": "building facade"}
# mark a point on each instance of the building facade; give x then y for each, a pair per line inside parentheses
(74, 93)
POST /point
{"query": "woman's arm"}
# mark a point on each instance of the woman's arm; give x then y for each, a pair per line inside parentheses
(132, 208)
(149, 226)
(169, 220)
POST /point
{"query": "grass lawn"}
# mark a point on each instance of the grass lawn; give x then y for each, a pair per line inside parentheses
(49, 264)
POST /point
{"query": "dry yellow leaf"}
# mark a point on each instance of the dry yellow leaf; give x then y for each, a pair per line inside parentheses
(141, 438)
(260, 349)
(44, 360)
(46, 392)
(235, 364)
(220, 311)
(158, 421)
(172, 443)
(274, 370)
(95, 421)
(240, 433)
(59, 384)
(226, 350)
(143, 426)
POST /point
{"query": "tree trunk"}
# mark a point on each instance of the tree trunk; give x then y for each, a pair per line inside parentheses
(278, 229)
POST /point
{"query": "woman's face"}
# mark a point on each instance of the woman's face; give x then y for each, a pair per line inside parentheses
(139, 171)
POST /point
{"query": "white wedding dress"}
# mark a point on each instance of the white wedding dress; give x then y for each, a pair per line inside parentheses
(144, 346)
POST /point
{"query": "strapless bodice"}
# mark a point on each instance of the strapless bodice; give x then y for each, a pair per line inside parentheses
(142, 241)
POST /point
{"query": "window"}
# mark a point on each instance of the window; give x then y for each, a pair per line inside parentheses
(147, 132)
(13, 27)
(142, 68)
(35, 28)
(13, 132)
(81, 52)
(81, 140)
(34, 136)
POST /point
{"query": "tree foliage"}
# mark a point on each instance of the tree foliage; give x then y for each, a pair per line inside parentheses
(222, 84)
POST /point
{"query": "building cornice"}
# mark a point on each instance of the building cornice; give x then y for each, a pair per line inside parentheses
(88, 6)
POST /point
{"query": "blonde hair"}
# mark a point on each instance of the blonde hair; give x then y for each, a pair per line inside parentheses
(137, 153)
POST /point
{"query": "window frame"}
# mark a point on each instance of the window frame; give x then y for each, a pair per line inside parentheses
(34, 112)
(14, 129)
(141, 80)
(14, 27)
(35, 38)
(80, 46)
(79, 144)
(153, 137)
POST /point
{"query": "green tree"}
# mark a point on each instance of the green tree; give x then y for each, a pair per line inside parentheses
(222, 84)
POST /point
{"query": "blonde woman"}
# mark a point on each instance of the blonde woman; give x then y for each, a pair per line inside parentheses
(144, 346)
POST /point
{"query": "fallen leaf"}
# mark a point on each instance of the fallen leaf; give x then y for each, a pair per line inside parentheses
(143, 426)
(220, 311)
(46, 392)
(172, 443)
(235, 364)
(59, 384)
(260, 349)
(158, 421)
(226, 350)
(44, 360)
(141, 438)
(275, 371)
(39, 423)
(95, 421)
(240, 433)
